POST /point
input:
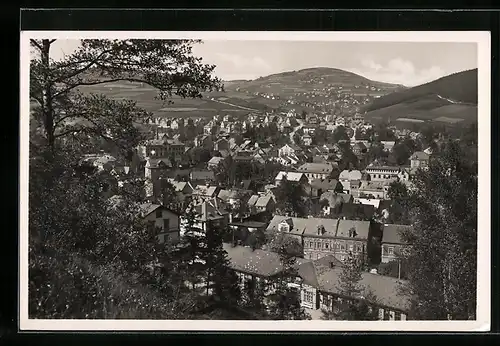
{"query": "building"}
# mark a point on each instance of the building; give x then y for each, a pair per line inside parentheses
(307, 139)
(373, 189)
(259, 204)
(335, 201)
(201, 176)
(221, 144)
(419, 159)
(319, 289)
(320, 186)
(103, 162)
(359, 149)
(392, 243)
(184, 190)
(300, 178)
(316, 170)
(214, 162)
(234, 197)
(316, 281)
(204, 141)
(289, 150)
(163, 222)
(346, 176)
(256, 266)
(162, 148)
(321, 237)
(388, 145)
(211, 213)
(377, 172)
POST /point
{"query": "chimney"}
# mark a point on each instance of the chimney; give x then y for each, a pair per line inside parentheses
(332, 265)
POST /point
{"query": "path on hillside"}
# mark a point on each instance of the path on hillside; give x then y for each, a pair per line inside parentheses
(447, 99)
(230, 104)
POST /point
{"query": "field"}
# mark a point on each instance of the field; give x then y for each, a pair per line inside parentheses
(451, 100)
(208, 106)
(424, 110)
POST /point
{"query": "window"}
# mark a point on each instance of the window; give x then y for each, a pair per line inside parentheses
(391, 250)
(358, 248)
(311, 244)
(166, 224)
(403, 317)
(326, 245)
(351, 247)
(392, 315)
(342, 246)
(385, 249)
(158, 213)
(308, 296)
(151, 227)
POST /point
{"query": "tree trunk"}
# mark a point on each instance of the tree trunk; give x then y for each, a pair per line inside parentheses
(47, 108)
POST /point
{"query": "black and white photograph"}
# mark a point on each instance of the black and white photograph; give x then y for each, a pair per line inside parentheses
(255, 181)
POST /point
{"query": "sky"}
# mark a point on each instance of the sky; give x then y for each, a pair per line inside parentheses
(404, 63)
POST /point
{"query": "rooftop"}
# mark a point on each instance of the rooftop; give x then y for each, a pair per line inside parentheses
(392, 233)
(316, 168)
(290, 176)
(257, 262)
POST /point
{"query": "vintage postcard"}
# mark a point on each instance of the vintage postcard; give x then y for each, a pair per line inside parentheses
(255, 181)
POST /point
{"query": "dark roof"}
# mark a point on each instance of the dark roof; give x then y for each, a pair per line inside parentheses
(419, 155)
(257, 262)
(324, 184)
(200, 175)
(251, 224)
(362, 228)
(308, 274)
(365, 211)
(392, 233)
(326, 279)
(148, 208)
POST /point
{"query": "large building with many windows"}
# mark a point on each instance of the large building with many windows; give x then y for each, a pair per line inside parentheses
(323, 237)
(316, 282)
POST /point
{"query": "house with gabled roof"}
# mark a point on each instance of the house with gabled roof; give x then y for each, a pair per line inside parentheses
(211, 213)
(162, 221)
(316, 170)
(392, 241)
(320, 289)
(289, 149)
(316, 281)
(419, 159)
(295, 177)
(214, 162)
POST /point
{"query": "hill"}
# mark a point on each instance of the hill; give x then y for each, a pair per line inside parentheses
(307, 88)
(448, 100)
(318, 80)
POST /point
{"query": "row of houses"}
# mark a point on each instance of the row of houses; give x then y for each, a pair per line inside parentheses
(317, 281)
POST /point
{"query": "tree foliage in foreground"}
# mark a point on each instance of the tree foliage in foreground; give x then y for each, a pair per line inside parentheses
(64, 110)
(284, 300)
(356, 300)
(75, 233)
(442, 255)
(290, 199)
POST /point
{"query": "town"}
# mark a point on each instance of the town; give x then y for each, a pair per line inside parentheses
(308, 209)
(221, 173)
